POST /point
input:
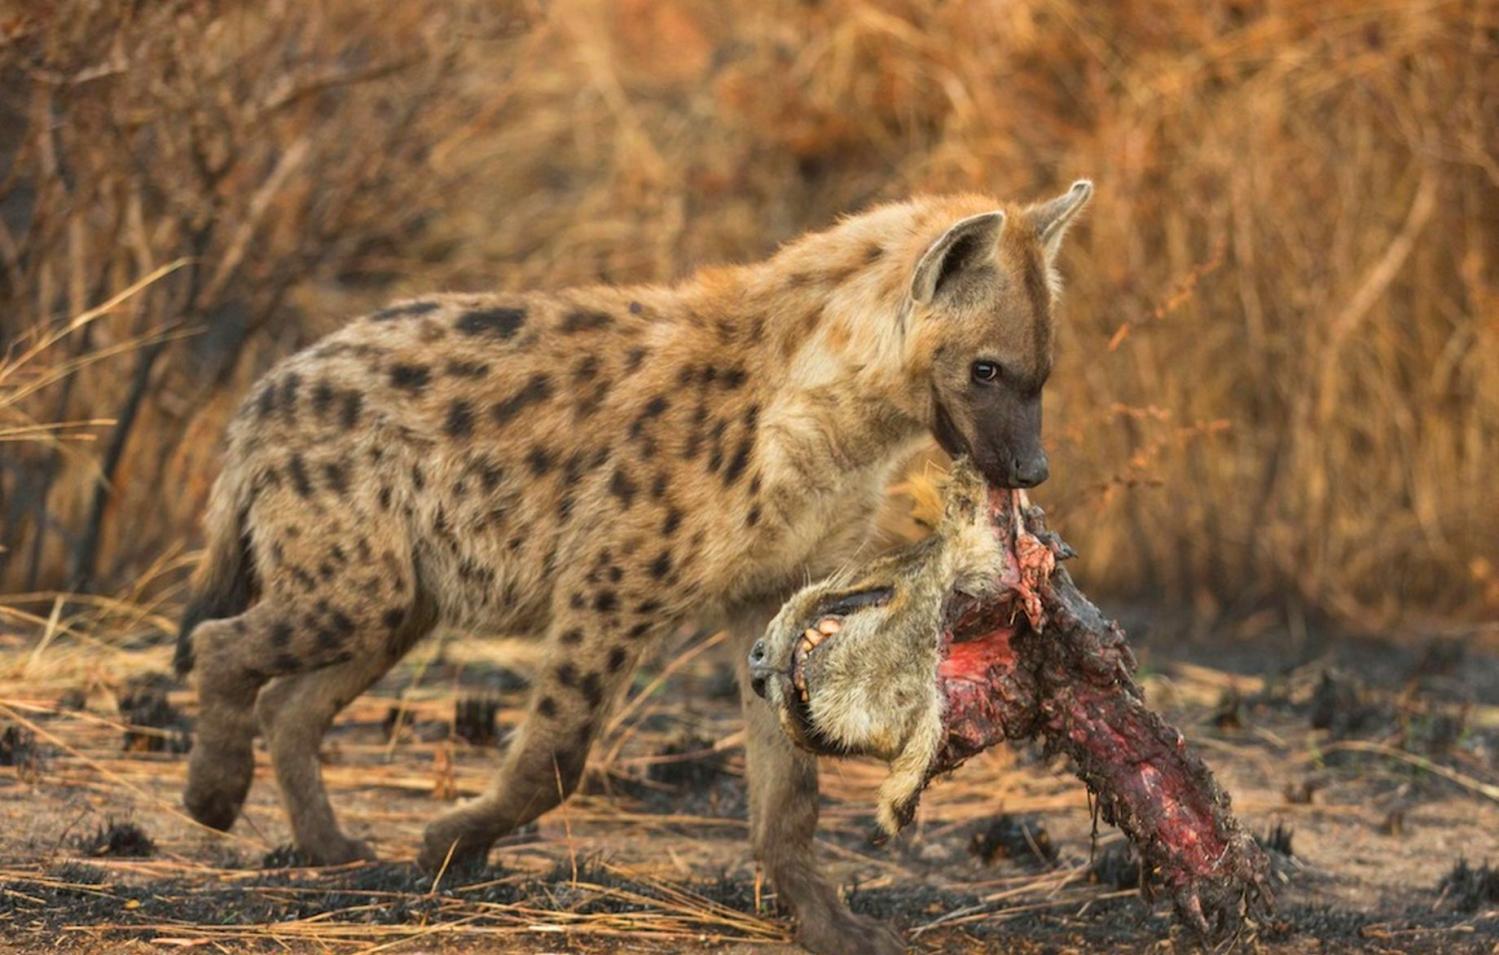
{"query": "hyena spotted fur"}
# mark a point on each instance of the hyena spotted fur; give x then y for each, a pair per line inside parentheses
(594, 467)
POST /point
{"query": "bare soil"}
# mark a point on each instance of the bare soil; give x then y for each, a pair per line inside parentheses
(1371, 768)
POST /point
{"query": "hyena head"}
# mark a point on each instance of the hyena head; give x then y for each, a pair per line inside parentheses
(981, 334)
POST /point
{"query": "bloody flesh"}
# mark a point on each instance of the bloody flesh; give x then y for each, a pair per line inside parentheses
(1041, 660)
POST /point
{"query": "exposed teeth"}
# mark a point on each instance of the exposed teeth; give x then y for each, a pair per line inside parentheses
(812, 637)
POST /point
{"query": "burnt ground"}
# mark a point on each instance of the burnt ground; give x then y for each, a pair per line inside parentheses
(1370, 766)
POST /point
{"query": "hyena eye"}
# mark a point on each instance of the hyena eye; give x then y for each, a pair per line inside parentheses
(986, 372)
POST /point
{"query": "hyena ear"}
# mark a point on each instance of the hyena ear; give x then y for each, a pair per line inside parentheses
(1052, 217)
(969, 242)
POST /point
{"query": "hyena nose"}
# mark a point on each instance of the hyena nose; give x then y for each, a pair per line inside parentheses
(760, 671)
(1030, 471)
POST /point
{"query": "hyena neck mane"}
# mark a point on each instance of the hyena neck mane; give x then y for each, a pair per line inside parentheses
(830, 318)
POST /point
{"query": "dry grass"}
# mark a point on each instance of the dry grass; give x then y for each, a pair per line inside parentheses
(1279, 385)
(636, 862)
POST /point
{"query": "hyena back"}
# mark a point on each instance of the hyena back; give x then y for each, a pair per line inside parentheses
(592, 466)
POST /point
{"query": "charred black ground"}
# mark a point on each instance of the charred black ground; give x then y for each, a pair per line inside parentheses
(642, 833)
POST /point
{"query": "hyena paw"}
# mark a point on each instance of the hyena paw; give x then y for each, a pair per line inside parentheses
(218, 780)
(454, 846)
(215, 802)
(841, 932)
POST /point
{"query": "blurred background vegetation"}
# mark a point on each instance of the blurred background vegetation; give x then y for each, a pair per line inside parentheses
(1278, 388)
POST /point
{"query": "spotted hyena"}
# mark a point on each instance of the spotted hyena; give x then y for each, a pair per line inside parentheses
(595, 466)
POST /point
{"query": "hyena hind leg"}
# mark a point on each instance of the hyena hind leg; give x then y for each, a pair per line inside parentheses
(235, 658)
(295, 712)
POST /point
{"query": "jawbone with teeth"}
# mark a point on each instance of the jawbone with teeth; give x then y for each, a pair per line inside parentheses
(974, 635)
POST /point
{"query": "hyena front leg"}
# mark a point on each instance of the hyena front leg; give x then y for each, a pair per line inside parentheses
(783, 823)
(600, 624)
(294, 712)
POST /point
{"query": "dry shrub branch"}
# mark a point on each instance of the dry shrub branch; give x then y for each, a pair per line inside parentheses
(1280, 374)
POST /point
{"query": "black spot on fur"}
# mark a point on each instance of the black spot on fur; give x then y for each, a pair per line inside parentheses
(501, 323)
(348, 414)
(605, 601)
(407, 310)
(460, 423)
(738, 461)
(577, 601)
(289, 386)
(418, 477)
(490, 475)
(393, 618)
(658, 486)
(593, 690)
(572, 637)
(586, 369)
(672, 522)
(753, 517)
(266, 402)
(734, 378)
(616, 574)
(467, 369)
(412, 378)
(537, 389)
(281, 634)
(648, 606)
(546, 707)
(634, 358)
(567, 675)
(297, 468)
(322, 398)
(539, 460)
(640, 629)
(622, 487)
(585, 321)
(384, 497)
(636, 308)
(337, 476)
(591, 401)
(617, 658)
(661, 566)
